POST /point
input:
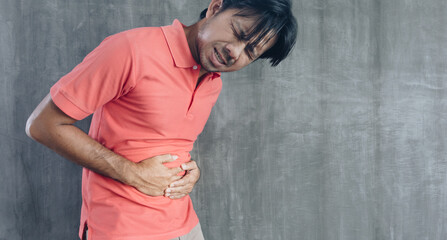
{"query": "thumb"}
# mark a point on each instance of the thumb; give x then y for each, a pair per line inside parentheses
(189, 165)
(168, 158)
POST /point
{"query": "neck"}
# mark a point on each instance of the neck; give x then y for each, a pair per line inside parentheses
(191, 33)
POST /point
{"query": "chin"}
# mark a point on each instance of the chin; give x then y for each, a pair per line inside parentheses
(207, 65)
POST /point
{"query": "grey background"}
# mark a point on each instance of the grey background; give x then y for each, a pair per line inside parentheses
(343, 140)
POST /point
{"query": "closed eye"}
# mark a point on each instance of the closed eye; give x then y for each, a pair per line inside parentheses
(241, 36)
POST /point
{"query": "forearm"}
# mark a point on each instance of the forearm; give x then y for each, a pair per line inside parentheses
(46, 127)
(73, 144)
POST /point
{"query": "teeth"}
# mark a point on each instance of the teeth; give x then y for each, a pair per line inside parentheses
(218, 56)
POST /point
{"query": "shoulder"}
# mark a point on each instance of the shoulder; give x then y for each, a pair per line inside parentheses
(140, 35)
(144, 40)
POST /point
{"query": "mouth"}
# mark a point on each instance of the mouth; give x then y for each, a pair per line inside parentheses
(219, 57)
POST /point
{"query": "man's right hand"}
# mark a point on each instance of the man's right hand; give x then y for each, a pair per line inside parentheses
(151, 177)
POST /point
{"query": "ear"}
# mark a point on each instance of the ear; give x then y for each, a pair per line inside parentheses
(214, 8)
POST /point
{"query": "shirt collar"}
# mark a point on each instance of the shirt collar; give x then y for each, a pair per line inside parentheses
(178, 46)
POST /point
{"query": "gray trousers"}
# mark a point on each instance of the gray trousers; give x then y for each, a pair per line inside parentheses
(194, 234)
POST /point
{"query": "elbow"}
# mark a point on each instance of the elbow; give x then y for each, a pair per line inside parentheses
(35, 129)
(30, 128)
(41, 122)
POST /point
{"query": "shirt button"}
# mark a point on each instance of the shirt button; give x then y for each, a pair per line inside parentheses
(190, 116)
(195, 67)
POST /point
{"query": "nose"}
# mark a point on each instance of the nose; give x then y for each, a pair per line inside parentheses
(234, 50)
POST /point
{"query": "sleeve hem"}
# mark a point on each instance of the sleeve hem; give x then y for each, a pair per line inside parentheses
(67, 106)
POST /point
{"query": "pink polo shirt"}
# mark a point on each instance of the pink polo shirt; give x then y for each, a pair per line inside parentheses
(140, 86)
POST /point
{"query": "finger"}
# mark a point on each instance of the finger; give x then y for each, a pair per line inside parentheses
(187, 179)
(174, 179)
(177, 191)
(191, 165)
(177, 196)
(165, 158)
(180, 183)
(190, 177)
(186, 189)
(175, 170)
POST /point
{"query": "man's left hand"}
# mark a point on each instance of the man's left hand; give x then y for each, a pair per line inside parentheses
(184, 186)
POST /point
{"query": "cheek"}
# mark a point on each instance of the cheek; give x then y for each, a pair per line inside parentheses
(204, 51)
(205, 35)
(203, 44)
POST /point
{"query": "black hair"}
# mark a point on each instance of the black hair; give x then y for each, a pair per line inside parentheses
(275, 19)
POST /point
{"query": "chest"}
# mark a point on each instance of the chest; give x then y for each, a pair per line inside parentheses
(170, 104)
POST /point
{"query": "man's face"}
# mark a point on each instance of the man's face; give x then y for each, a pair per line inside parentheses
(219, 44)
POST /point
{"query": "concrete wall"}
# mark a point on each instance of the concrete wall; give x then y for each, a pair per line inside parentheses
(344, 140)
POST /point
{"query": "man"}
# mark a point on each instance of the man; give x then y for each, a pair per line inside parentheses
(151, 91)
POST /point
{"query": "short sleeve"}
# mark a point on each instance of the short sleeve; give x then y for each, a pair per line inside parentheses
(104, 75)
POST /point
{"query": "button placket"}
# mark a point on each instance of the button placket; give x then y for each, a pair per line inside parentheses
(195, 88)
